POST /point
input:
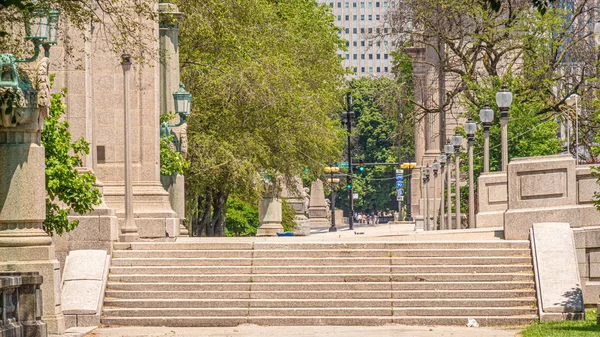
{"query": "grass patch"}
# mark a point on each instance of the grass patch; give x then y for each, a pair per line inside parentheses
(566, 328)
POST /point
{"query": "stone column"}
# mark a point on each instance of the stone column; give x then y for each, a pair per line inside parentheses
(169, 83)
(317, 209)
(24, 245)
(269, 213)
(296, 199)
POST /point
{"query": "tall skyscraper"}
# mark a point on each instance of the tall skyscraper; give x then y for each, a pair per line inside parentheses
(360, 21)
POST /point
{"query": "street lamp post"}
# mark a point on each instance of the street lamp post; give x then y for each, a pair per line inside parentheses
(486, 115)
(425, 181)
(503, 100)
(573, 100)
(349, 115)
(436, 167)
(332, 180)
(408, 166)
(448, 148)
(470, 129)
(442, 188)
(457, 142)
(129, 231)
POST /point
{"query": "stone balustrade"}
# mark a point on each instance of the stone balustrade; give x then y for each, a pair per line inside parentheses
(21, 305)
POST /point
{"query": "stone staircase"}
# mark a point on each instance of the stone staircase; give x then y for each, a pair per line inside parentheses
(230, 282)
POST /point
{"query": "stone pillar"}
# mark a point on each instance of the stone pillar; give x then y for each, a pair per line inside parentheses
(296, 199)
(169, 83)
(269, 215)
(24, 245)
(317, 208)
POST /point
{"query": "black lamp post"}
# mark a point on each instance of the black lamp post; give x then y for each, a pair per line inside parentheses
(348, 116)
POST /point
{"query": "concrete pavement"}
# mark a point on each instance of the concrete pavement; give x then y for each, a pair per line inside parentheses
(249, 330)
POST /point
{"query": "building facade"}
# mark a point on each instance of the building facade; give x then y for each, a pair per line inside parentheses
(368, 39)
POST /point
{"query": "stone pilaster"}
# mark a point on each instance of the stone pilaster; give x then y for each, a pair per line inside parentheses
(24, 245)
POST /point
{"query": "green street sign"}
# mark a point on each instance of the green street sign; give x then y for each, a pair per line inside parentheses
(343, 164)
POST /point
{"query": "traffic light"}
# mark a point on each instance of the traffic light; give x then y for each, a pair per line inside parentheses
(361, 165)
(306, 169)
(348, 182)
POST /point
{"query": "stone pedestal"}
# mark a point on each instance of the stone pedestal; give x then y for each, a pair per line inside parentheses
(175, 185)
(317, 208)
(296, 198)
(269, 215)
(24, 246)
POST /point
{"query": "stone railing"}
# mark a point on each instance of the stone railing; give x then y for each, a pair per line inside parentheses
(21, 305)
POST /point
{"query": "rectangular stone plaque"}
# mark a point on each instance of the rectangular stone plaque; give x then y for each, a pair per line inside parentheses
(497, 193)
(543, 184)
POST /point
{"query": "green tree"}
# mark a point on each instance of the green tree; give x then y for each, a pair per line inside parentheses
(266, 79)
(68, 189)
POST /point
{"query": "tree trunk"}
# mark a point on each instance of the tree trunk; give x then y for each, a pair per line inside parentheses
(218, 221)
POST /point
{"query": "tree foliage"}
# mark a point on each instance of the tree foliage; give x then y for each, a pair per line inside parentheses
(265, 78)
(68, 190)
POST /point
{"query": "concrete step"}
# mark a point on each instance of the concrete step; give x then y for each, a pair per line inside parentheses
(392, 245)
(153, 254)
(204, 245)
(130, 262)
(306, 278)
(465, 311)
(207, 321)
(316, 303)
(451, 260)
(322, 286)
(323, 294)
(199, 312)
(377, 269)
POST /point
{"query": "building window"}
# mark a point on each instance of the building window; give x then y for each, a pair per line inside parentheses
(370, 4)
(370, 69)
(362, 30)
(339, 18)
(370, 43)
(362, 56)
(354, 57)
(355, 30)
(354, 17)
(378, 44)
(339, 5)
(385, 69)
(385, 30)
(378, 69)
(362, 17)
(354, 43)
(385, 56)
(377, 29)
(377, 4)
(347, 56)
(393, 4)
(370, 30)
(347, 30)
(354, 4)
(355, 69)
(377, 17)
(347, 17)
(379, 56)
(370, 56)
(362, 43)
(362, 5)
(370, 17)
(393, 43)
(362, 69)
(347, 43)
(385, 43)
(340, 55)
(347, 5)
(385, 4)
(331, 4)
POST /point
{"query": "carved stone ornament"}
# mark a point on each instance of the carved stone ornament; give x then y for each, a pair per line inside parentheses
(18, 99)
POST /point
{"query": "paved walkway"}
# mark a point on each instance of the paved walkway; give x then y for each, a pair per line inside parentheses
(248, 330)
